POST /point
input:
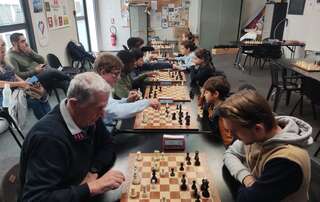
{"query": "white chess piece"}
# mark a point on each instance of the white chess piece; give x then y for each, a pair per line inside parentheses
(133, 193)
(139, 156)
(163, 199)
(136, 179)
(144, 118)
(162, 172)
(163, 158)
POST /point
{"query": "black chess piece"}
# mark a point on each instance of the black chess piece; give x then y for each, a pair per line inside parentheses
(198, 198)
(203, 185)
(177, 107)
(187, 119)
(156, 86)
(160, 88)
(155, 94)
(172, 174)
(150, 95)
(193, 186)
(154, 177)
(174, 116)
(196, 155)
(188, 156)
(181, 167)
(180, 108)
(183, 185)
(180, 120)
(197, 162)
(206, 193)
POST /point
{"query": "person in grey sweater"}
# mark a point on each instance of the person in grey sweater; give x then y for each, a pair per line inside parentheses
(269, 161)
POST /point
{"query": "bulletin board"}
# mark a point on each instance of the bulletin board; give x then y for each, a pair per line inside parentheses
(174, 13)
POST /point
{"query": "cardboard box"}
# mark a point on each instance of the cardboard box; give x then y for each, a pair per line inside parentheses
(222, 51)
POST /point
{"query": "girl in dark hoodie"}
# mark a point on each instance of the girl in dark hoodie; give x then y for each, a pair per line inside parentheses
(203, 68)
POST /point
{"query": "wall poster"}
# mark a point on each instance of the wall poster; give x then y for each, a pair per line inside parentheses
(57, 14)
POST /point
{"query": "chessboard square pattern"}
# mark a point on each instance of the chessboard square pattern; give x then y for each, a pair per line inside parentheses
(168, 187)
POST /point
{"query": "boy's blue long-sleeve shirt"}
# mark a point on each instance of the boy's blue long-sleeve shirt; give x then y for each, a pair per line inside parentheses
(121, 109)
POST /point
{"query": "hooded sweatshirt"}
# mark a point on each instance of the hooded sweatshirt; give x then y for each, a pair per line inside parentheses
(280, 165)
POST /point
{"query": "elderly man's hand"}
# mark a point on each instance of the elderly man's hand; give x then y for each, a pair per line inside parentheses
(109, 181)
(90, 178)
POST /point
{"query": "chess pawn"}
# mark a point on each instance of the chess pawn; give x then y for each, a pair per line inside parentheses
(162, 172)
(133, 193)
(163, 158)
(136, 179)
(139, 156)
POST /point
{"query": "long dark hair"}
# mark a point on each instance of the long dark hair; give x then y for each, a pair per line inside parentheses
(206, 56)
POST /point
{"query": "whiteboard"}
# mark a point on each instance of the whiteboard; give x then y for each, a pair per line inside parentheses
(305, 27)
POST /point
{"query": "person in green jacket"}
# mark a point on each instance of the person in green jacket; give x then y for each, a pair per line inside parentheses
(128, 82)
(28, 63)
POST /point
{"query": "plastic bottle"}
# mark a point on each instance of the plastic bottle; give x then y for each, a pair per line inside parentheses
(6, 93)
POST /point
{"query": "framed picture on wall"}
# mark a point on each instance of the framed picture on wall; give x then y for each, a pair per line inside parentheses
(296, 7)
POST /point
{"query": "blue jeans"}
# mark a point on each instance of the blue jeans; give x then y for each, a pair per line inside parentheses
(40, 108)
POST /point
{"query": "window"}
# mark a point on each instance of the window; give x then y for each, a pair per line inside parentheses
(82, 25)
(12, 19)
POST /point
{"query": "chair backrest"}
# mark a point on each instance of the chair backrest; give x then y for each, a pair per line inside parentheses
(53, 61)
(10, 185)
(274, 70)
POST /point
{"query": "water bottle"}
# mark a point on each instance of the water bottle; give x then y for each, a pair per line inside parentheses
(6, 95)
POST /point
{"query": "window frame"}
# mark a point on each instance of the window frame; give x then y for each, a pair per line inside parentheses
(27, 25)
(85, 18)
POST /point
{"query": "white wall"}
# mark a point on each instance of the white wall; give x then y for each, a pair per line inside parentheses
(106, 11)
(305, 27)
(58, 39)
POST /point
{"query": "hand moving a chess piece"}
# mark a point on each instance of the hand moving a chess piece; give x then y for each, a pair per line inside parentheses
(133, 96)
(109, 181)
(154, 103)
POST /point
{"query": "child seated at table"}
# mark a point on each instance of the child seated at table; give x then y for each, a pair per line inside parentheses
(215, 91)
(187, 49)
(203, 68)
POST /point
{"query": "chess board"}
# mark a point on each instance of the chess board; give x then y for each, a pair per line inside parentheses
(252, 42)
(308, 66)
(167, 186)
(175, 93)
(169, 76)
(155, 120)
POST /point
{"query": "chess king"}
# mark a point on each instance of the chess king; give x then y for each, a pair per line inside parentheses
(277, 165)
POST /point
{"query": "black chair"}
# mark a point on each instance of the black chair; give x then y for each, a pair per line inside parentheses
(265, 53)
(13, 126)
(281, 82)
(10, 185)
(309, 88)
(54, 62)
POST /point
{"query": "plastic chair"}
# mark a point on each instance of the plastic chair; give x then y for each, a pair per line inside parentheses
(54, 62)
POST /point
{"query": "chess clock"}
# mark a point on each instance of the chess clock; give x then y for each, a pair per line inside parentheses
(173, 142)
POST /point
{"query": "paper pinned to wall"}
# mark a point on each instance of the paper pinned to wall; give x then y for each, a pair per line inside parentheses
(56, 13)
(40, 22)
